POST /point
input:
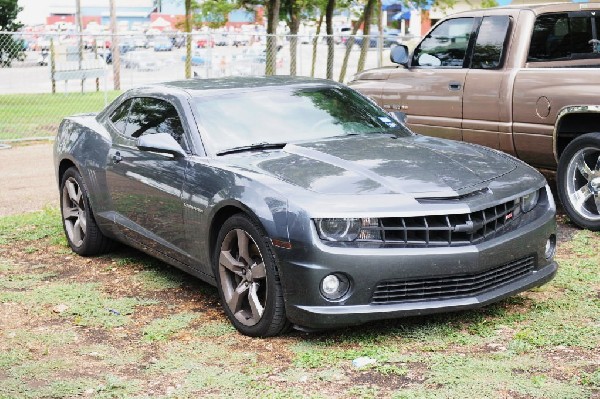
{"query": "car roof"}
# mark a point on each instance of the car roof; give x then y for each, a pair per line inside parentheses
(201, 87)
(537, 8)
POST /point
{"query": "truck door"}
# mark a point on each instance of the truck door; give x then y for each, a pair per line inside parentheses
(430, 92)
(486, 103)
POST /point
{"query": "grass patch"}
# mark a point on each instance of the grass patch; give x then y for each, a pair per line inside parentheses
(22, 281)
(85, 303)
(162, 329)
(312, 355)
(490, 376)
(540, 344)
(162, 278)
(33, 226)
(112, 356)
(215, 329)
(39, 115)
(17, 388)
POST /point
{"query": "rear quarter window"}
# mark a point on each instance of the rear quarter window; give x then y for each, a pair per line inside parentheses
(565, 36)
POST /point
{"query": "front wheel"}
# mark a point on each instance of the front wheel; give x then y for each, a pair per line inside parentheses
(248, 280)
(83, 235)
(578, 180)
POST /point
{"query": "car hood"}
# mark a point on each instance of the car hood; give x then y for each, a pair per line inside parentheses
(419, 165)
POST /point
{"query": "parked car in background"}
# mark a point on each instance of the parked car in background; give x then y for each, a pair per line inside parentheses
(325, 213)
(222, 40)
(178, 41)
(521, 79)
(140, 41)
(140, 61)
(391, 38)
(252, 60)
(107, 54)
(240, 39)
(127, 44)
(204, 41)
(162, 44)
(199, 58)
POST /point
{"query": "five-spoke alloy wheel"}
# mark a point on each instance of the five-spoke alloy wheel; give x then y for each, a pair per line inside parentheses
(83, 235)
(578, 180)
(247, 278)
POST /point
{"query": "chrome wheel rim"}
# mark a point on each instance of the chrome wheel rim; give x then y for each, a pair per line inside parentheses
(583, 183)
(243, 277)
(73, 211)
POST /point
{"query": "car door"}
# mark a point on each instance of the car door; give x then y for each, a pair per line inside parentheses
(486, 99)
(430, 92)
(145, 187)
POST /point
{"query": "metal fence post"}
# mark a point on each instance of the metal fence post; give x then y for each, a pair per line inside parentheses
(52, 65)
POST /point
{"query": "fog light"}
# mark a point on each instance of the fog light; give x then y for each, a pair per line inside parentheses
(334, 286)
(550, 247)
(330, 284)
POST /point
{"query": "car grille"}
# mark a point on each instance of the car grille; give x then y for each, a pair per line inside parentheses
(444, 230)
(451, 286)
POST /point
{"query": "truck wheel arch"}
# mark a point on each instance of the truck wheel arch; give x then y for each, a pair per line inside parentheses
(572, 122)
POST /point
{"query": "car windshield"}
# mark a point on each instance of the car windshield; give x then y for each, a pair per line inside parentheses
(289, 114)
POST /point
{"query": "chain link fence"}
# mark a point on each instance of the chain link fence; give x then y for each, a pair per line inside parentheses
(47, 76)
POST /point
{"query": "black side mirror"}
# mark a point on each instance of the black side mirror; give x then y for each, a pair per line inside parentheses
(399, 55)
(162, 143)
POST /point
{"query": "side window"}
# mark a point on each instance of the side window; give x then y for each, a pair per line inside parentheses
(119, 116)
(446, 45)
(564, 37)
(151, 115)
(489, 47)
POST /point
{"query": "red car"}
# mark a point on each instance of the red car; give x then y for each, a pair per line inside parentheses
(205, 41)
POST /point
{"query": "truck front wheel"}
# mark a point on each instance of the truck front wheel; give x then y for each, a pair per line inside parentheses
(578, 181)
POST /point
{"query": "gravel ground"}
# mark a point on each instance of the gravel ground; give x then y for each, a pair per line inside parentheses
(27, 181)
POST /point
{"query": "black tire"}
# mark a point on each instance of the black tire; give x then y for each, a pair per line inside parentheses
(578, 181)
(244, 277)
(75, 209)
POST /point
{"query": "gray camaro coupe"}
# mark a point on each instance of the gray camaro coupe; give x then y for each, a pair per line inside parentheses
(303, 202)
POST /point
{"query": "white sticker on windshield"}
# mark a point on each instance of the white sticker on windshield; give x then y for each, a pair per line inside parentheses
(388, 121)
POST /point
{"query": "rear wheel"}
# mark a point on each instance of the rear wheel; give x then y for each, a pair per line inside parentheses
(83, 235)
(248, 279)
(578, 180)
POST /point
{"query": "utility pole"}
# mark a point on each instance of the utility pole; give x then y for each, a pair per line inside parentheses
(80, 41)
(114, 47)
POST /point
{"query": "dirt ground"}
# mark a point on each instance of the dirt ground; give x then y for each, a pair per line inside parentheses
(27, 181)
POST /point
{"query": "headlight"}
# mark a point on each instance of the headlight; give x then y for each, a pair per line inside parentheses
(529, 201)
(348, 229)
(338, 229)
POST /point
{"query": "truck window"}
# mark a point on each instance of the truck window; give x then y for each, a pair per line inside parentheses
(562, 36)
(489, 46)
(445, 46)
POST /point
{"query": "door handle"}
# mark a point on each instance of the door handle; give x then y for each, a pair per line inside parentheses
(117, 157)
(454, 86)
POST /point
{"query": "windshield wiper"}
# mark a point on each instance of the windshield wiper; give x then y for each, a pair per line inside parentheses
(256, 146)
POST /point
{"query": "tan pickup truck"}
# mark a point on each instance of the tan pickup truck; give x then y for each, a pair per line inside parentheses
(521, 79)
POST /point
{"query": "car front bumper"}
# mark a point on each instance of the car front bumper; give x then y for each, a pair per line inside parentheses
(303, 269)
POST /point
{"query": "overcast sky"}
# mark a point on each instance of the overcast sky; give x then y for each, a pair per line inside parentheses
(34, 11)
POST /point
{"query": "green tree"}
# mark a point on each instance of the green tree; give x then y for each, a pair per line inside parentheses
(11, 48)
(214, 13)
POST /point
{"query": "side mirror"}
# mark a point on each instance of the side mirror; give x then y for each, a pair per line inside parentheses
(399, 55)
(162, 143)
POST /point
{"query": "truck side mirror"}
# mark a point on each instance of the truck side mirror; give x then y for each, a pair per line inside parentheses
(399, 55)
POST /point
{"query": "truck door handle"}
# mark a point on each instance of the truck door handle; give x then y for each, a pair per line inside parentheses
(454, 86)
(117, 157)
